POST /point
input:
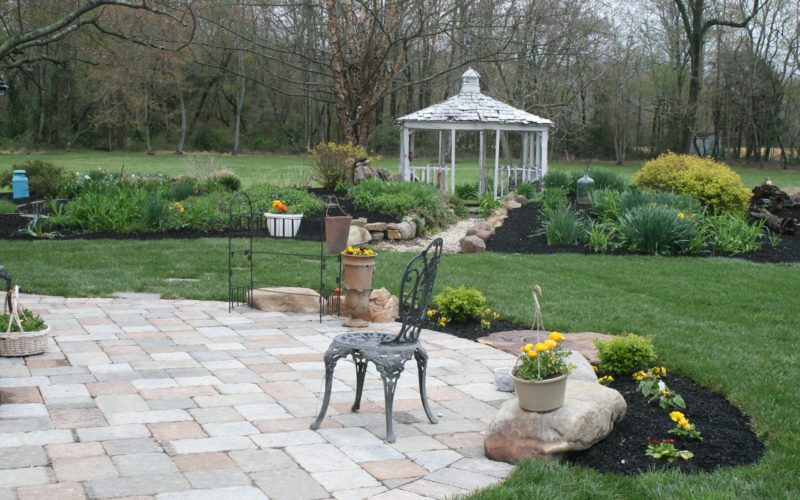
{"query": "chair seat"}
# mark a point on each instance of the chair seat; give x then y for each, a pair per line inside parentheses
(372, 341)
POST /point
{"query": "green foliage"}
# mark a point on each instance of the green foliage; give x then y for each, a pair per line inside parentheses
(732, 234)
(657, 230)
(626, 354)
(714, 184)
(228, 180)
(558, 179)
(607, 204)
(487, 204)
(44, 178)
(467, 191)
(457, 204)
(564, 226)
(460, 304)
(331, 162)
(155, 212)
(526, 189)
(30, 322)
(601, 236)
(7, 207)
(683, 202)
(400, 199)
(298, 201)
(183, 189)
(604, 179)
(553, 198)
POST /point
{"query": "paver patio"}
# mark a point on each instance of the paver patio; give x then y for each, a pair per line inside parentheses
(179, 399)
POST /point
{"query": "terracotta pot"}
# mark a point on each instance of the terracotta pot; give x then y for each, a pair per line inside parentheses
(358, 271)
(540, 395)
(283, 225)
(337, 229)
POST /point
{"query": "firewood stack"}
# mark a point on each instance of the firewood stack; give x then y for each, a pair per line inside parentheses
(767, 201)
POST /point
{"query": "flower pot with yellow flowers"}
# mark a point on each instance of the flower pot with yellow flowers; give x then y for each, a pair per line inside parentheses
(540, 373)
(281, 222)
(358, 267)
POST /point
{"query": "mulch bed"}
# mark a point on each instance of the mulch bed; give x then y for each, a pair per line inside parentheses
(516, 235)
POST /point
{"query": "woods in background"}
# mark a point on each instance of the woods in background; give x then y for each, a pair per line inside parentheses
(621, 82)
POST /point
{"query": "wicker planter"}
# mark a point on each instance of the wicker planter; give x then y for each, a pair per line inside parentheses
(23, 344)
(540, 395)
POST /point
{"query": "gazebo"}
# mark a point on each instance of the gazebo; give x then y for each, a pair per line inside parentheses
(470, 110)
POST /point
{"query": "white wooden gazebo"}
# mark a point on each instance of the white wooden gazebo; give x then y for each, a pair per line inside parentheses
(470, 110)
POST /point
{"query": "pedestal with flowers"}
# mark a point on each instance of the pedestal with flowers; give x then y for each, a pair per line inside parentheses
(358, 268)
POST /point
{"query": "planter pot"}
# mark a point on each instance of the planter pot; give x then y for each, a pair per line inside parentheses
(357, 271)
(540, 395)
(23, 344)
(283, 225)
(337, 229)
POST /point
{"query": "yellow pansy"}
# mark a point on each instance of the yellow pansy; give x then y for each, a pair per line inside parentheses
(555, 336)
(676, 416)
(541, 347)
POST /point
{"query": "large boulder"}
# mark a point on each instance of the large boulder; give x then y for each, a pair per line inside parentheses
(383, 306)
(407, 228)
(285, 299)
(472, 244)
(588, 415)
(358, 236)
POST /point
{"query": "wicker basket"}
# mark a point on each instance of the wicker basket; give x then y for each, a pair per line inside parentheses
(23, 344)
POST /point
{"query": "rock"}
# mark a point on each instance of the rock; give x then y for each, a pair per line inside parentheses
(383, 306)
(588, 415)
(521, 200)
(483, 231)
(408, 229)
(358, 236)
(511, 204)
(376, 226)
(472, 244)
(393, 234)
(362, 172)
(383, 174)
(377, 235)
(495, 220)
(485, 225)
(360, 222)
(285, 299)
(484, 234)
(583, 370)
(512, 340)
(379, 296)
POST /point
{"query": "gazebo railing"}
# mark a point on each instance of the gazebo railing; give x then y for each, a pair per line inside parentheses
(514, 175)
(431, 174)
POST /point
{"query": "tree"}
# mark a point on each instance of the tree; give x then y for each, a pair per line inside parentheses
(695, 26)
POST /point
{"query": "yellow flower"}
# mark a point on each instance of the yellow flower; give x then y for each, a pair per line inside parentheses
(541, 347)
(556, 336)
(276, 203)
(681, 215)
(594, 367)
(676, 416)
(531, 354)
(550, 343)
(485, 324)
(527, 347)
(431, 313)
(684, 424)
(495, 315)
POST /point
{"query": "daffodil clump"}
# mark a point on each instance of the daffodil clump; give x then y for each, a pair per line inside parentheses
(683, 428)
(360, 251)
(543, 360)
(487, 316)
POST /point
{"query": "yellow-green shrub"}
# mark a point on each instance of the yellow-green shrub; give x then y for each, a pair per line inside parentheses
(712, 183)
(331, 161)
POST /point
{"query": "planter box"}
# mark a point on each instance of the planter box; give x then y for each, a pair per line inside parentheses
(283, 225)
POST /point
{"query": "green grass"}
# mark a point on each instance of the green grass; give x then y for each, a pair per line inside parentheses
(726, 323)
(289, 169)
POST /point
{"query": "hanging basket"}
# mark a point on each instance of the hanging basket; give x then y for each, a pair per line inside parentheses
(23, 344)
(540, 395)
(337, 227)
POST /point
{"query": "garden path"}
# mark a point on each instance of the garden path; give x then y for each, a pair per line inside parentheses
(451, 236)
(180, 399)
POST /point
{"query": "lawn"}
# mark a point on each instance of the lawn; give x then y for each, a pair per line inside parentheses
(296, 169)
(729, 324)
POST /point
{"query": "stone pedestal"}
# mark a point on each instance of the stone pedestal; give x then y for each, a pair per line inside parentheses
(356, 306)
(588, 415)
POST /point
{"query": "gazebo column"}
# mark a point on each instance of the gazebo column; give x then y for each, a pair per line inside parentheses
(405, 168)
(452, 161)
(441, 149)
(525, 141)
(496, 161)
(482, 164)
(544, 153)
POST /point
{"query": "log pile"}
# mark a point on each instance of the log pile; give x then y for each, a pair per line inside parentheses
(766, 202)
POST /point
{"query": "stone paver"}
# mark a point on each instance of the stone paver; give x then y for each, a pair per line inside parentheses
(154, 399)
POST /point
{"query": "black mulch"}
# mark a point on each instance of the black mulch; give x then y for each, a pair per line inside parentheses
(473, 330)
(728, 439)
(515, 236)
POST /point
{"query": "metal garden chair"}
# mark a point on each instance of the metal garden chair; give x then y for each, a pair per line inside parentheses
(390, 352)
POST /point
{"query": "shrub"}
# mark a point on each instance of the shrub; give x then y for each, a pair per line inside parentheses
(44, 178)
(557, 179)
(460, 304)
(182, 190)
(683, 202)
(626, 354)
(298, 201)
(526, 189)
(553, 198)
(604, 179)
(487, 204)
(732, 234)
(712, 183)
(601, 236)
(657, 230)
(400, 199)
(228, 180)
(467, 191)
(155, 212)
(331, 162)
(563, 226)
(607, 204)
(7, 207)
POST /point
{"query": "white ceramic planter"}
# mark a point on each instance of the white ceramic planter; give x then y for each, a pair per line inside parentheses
(283, 225)
(541, 395)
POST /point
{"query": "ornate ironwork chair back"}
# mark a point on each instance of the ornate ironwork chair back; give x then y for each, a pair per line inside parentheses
(416, 286)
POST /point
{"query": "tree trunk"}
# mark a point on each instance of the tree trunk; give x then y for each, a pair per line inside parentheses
(182, 133)
(239, 105)
(147, 141)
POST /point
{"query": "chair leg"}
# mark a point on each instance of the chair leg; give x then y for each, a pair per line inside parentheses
(332, 355)
(421, 355)
(361, 371)
(390, 378)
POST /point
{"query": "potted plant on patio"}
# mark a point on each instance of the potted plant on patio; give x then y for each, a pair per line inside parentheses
(281, 222)
(358, 266)
(22, 333)
(540, 373)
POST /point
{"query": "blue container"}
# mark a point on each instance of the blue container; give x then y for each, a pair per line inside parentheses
(19, 185)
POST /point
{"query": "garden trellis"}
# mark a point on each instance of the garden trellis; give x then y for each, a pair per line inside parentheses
(472, 111)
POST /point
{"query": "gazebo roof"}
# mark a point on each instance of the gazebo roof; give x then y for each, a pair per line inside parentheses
(471, 106)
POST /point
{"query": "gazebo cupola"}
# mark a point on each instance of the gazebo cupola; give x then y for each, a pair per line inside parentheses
(472, 111)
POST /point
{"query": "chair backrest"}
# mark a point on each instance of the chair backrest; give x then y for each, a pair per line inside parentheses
(416, 287)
